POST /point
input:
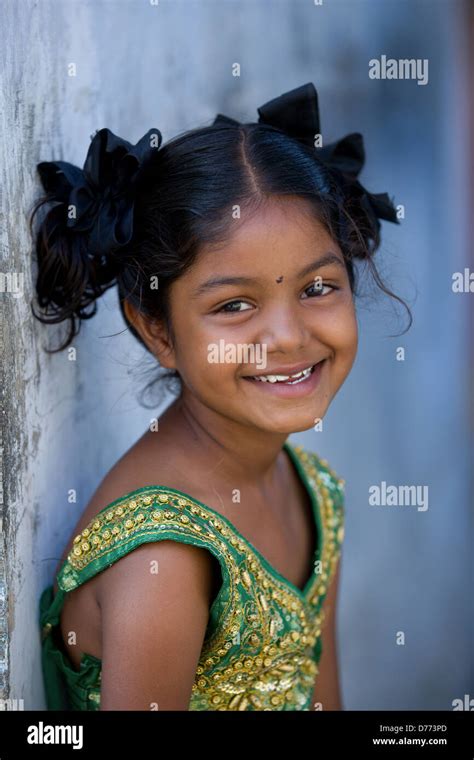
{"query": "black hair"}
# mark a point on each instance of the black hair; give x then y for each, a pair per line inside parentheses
(182, 201)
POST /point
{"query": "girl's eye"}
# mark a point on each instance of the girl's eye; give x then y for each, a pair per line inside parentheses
(318, 289)
(226, 310)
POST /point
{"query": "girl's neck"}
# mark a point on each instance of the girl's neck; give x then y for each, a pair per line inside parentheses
(237, 453)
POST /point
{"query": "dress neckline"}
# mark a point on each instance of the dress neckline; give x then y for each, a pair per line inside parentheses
(301, 593)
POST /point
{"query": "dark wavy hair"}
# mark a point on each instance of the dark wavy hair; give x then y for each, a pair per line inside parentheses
(183, 201)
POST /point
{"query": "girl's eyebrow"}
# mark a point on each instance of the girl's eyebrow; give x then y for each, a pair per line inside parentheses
(216, 282)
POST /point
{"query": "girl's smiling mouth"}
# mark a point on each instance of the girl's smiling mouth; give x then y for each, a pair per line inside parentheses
(300, 382)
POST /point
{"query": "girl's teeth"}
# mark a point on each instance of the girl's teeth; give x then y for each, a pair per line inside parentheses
(284, 378)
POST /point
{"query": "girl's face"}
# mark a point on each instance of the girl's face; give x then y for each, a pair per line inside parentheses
(280, 286)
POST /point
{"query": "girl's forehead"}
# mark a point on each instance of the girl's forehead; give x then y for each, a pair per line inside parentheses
(261, 257)
(274, 227)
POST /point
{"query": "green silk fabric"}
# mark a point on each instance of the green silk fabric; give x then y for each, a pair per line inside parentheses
(263, 639)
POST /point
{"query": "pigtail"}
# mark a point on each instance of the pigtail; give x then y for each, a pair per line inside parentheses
(81, 241)
(70, 278)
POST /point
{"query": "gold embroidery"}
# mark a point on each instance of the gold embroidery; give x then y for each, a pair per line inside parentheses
(260, 654)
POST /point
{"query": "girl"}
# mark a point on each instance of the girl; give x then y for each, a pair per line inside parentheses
(203, 574)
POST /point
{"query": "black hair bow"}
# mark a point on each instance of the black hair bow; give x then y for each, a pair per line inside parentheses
(99, 197)
(297, 114)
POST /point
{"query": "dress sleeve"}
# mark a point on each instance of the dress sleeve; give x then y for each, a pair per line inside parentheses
(147, 514)
(332, 488)
(329, 488)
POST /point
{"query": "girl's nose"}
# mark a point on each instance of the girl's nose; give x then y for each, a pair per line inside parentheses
(284, 330)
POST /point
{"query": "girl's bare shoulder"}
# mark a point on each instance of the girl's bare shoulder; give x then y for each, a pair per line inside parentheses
(145, 463)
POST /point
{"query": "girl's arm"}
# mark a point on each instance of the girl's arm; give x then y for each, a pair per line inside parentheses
(326, 692)
(153, 625)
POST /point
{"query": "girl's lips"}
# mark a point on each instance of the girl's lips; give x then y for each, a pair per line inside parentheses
(288, 390)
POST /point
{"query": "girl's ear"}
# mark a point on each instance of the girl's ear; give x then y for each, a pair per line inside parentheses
(153, 333)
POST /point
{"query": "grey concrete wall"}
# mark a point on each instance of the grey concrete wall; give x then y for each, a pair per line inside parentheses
(169, 65)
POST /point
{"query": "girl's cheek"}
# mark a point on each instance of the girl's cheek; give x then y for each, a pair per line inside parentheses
(336, 327)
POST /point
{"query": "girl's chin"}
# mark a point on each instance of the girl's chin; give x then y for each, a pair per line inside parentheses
(286, 423)
(292, 427)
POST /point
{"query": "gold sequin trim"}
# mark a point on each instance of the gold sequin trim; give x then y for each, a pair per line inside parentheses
(261, 654)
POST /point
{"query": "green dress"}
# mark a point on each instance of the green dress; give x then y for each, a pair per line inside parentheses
(262, 645)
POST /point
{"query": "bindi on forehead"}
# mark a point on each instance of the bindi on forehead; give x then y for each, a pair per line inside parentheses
(279, 279)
